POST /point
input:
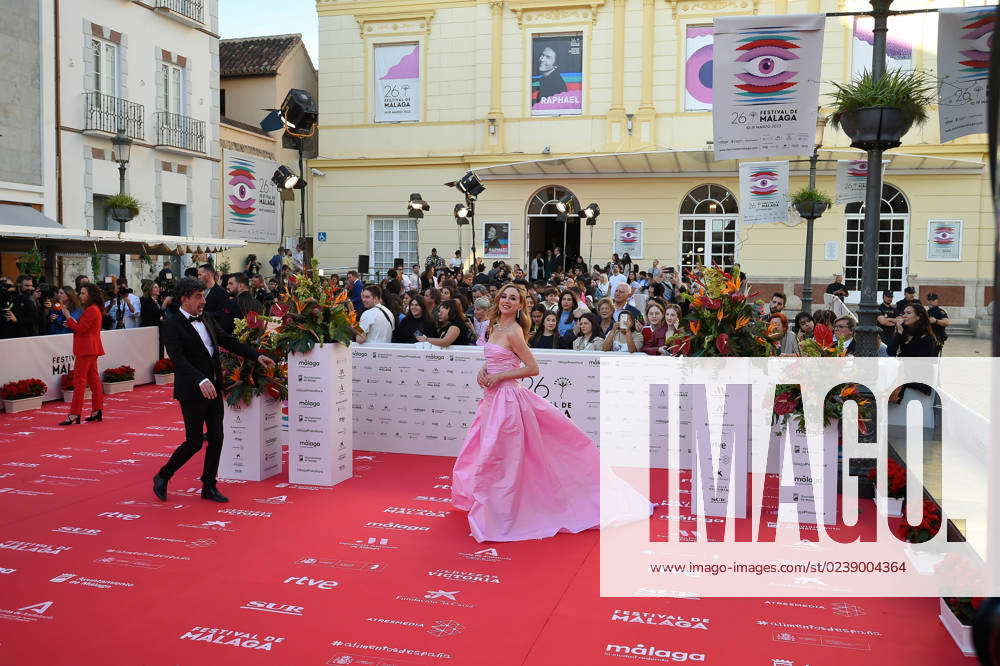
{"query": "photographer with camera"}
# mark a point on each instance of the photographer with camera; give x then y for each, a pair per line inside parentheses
(123, 307)
(18, 310)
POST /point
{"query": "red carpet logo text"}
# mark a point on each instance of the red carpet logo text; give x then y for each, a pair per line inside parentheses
(659, 619)
(470, 576)
(651, 653)
(230, 637)
(272, 607)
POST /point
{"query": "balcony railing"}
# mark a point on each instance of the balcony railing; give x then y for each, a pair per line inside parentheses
(173, 129)
(106, 113)
(192, 9)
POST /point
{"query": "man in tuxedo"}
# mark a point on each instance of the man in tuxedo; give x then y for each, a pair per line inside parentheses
(215, 295)
(192, 339)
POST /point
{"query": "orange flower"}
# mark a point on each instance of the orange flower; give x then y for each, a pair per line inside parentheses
(341, 297)
(696, 302)
(236, 375)
(695, 326)
(848, 390)
(352, 318)
(720, 314)
(742, 321)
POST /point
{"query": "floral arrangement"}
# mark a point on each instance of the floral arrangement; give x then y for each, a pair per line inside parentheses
(897, 479)
(163, 367)
(721, 319)
(927, 528)
(23, 388)
(313, 312)
(788, 405)
(246, 378)
(822, 344)
(964, 608)
(123, 373)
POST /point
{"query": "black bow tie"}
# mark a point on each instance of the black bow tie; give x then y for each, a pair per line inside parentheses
(194, 319)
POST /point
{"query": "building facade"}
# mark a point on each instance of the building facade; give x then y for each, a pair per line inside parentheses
(414, 94)
(257, 73)
(150, 68)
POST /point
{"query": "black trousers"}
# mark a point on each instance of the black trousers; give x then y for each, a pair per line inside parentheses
(202, 420)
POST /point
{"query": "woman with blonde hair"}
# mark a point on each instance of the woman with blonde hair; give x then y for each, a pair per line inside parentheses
(525, 470)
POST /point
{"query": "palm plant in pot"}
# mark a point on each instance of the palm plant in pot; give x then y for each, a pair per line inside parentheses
(122, 206)
(876, 113)
(811, 203)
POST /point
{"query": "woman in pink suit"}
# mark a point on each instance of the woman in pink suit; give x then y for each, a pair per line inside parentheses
(525, 470)
(87, 347)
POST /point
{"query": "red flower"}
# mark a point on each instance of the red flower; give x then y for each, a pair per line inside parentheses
(722, 344)
(254, 321)
(737, 297)
(976, 602)
(273, 391)
(279, 310)
(823, 336)
(711, 303)
(784, 403)
(292, 280)
(163, 367)
(23, 388)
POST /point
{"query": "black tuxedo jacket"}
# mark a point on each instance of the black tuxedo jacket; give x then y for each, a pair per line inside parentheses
(192, 364)
(216, 299)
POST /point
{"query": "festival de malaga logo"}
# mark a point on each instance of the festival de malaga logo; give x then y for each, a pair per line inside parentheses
(763, 184)
(766, 58)
(242, 193)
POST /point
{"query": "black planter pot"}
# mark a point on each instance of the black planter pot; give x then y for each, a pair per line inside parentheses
(811, 209)
(121, 214)
(875, 128)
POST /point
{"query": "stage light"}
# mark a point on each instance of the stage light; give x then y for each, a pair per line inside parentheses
(564, 205)
(286, 180)
(590, 214)
(299, 113)
(471, 185)
(416, 206)
(462, 213)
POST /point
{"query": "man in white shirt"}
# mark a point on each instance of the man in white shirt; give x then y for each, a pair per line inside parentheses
(616, 278)
(411, 280)
(455, 263)
(377, 322)
(123, 308)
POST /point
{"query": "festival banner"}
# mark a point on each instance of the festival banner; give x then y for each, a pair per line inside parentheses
(898, 43)
(496, 240)
(396, 87)
(944, 240)
(852, 179)
(764, 192)
(965, 37)
(252, 206)
(557, 75)
(628, 238)
(767, 69)
(698, 68)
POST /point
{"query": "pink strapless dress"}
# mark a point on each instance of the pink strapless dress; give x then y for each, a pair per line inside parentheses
(527, 472)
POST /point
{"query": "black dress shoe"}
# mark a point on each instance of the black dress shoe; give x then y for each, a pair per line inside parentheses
(71, 420)
(160, 487)
(96, 416)
(213, 494)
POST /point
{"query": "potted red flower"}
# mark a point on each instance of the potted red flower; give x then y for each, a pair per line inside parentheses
(22, 395)
(118, 380)
(957, 614)
(163, 372)
(66, 386)
(896, 492)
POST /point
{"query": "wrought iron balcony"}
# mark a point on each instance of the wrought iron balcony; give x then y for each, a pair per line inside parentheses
(177, 131)
(106, 113)
(192, 9)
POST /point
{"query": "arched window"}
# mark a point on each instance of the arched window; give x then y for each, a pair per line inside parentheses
(708, 227)
(709, 200)
(893, 242)
(543, 202)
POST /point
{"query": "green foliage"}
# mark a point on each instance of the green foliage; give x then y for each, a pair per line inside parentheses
(32, 263)
(910, 91)
(244, 378)
(95, 264)
(811, 195)
(124, 201)
(313, 312)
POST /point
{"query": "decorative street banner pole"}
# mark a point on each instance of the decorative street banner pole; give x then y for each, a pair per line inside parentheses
(965, 37)
(766, 85)
(764, 192)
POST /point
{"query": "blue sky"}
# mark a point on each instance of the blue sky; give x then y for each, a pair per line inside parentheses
(252, 18)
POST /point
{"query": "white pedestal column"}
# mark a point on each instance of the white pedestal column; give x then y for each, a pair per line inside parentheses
(320, 439)
(252, 449)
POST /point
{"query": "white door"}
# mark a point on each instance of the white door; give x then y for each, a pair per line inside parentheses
(708, 240)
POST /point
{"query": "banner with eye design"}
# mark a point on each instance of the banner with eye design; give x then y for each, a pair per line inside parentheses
(965, 40)
(251, 203)
(852, 180)
(764, 192)
(766, 75)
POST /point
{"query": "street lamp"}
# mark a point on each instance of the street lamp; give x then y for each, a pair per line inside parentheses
(121, 149)
(811, 211)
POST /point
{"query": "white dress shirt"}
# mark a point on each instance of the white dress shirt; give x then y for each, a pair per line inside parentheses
(129, 317)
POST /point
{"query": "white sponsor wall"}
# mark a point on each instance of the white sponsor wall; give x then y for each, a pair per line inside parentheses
(409, 400)
(320, 450)
(48, 357)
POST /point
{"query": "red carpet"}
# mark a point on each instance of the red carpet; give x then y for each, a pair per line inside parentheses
(377, 571)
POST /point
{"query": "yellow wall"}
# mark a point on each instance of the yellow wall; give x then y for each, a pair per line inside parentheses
(376, 166)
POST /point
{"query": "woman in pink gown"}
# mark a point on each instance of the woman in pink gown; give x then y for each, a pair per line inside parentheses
(525, 470)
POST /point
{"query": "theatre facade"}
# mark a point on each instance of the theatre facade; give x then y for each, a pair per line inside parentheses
(415, 94)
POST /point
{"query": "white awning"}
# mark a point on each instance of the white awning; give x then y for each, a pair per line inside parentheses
(702, 164)
(21, 227)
